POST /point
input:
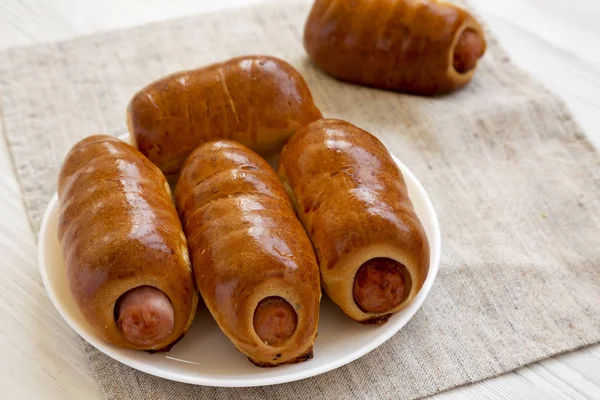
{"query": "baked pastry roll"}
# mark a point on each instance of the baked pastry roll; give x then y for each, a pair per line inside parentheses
(253, 262)
(125, 252)
(352, 200)
(258, 101)
(424, 47)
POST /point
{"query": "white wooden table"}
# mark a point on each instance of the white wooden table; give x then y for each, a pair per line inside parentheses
(557, 40)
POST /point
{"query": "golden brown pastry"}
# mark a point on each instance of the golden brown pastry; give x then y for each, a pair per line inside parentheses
(352, 200)
(424, 47)
(124, 249)
(253, 262)
(258, 101)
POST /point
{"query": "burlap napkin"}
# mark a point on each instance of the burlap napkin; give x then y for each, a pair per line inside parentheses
(515, 182)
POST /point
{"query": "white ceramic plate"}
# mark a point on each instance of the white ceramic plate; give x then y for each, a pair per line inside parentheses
(205, 356)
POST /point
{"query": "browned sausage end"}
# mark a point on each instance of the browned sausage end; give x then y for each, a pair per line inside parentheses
(145, 316)
(379, 285)
(275, 320)
(469, 49)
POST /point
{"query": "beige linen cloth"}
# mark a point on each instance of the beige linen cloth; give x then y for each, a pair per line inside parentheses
(514, 181)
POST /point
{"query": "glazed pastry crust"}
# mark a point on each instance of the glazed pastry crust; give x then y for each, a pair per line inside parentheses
(119, 230)
(246, 245)
(352, 200)
(258, 101)
(401, 45)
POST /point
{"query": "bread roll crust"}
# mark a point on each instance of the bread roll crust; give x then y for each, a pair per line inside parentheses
(400, 45)
(352, 200)
(258, 101)
(246, 244)
(119, 230)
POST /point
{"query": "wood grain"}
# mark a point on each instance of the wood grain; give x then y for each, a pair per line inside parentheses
(556, 40)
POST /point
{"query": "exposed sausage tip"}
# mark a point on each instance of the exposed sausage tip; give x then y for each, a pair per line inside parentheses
(145, 316)
(468, 50)
(274, 320)
(379, 285)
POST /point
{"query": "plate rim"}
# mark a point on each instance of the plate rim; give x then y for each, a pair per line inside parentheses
(116, 353)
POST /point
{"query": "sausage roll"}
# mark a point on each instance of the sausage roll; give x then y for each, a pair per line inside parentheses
(424, 47)
(352, 200)
(253, 262)
(258, 101)
(125, 252)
